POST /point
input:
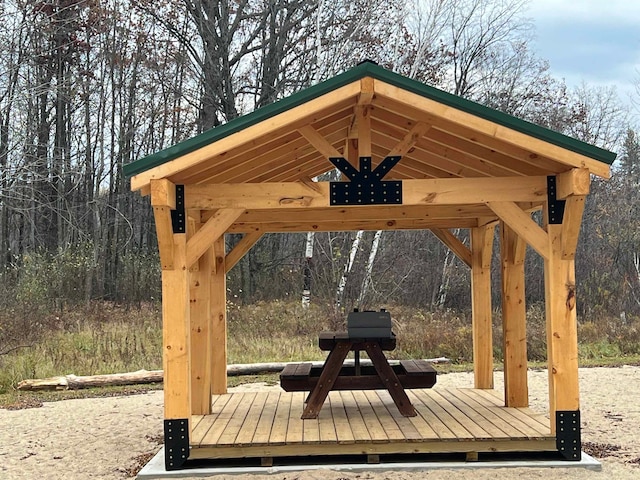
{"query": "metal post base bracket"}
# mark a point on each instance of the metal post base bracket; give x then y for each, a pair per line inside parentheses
(568, 440)
(176, 443)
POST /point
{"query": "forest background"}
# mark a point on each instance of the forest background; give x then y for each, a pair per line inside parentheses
(87, 86)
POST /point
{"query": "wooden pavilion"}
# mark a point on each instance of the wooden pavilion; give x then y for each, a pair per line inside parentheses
(412, 157)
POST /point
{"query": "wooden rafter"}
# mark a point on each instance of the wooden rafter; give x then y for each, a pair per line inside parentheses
(409, 140)
(276, 148)
(319, 142)
(282, 120)
(488, 128)
(464, 152)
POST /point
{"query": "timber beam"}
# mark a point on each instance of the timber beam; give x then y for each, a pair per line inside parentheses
(574, 182)
(242, 247)
(454, 244)
(215, 227)
(352, 225)
(379, 212)
(522, 223)
(293, 195)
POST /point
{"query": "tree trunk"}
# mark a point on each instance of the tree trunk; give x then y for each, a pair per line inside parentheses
(73, 382)
(366, 281)
(306, 287)
(355, 245)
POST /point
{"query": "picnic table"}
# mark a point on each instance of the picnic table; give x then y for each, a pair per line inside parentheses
(334, 375)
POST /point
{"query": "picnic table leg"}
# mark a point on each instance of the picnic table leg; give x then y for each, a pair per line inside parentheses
(327, 379)
(390, 379)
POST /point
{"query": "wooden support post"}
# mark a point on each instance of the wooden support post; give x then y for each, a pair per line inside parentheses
(163, 200)
(200, 302)
(573, 209)
(176, 334)
(562, 331)
(219, 320)
(514, 322)
(481, 250)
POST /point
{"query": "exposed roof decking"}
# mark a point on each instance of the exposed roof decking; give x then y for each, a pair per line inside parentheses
(458, 138)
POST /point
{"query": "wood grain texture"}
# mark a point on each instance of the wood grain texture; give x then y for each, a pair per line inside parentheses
(176, 338)
(514, 318)
(482, 326)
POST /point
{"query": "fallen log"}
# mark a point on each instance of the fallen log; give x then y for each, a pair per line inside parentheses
(73, 382)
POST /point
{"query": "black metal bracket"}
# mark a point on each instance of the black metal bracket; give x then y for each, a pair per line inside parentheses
(176, 443)
(365, 187)
(568, 440)
(555, 207)
(178, 217)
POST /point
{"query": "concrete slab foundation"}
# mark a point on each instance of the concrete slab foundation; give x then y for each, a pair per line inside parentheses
(155, 468)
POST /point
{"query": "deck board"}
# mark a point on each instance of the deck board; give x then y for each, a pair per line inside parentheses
(370, 419)
(354, 422)
(281, 421)
(391, 428)
(533, 427)
(265, 423)
(467, 417)
(222, 420)
(354, 417)
(406, 426)
(446, 418)
(343, 429)
(295, 428)
(439, 428)
(326, 426)
(498, 423)
(248, 430)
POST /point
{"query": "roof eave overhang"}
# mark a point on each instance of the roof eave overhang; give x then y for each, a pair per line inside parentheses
(510, 129)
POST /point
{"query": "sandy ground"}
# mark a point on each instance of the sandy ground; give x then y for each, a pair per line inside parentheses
(105, 437)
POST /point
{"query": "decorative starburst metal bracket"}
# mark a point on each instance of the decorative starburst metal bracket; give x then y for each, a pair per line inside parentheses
(365, 187)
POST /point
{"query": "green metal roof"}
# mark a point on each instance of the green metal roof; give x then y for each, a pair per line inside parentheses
(367, 69)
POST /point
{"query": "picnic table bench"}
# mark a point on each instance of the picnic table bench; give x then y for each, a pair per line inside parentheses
(334, 375)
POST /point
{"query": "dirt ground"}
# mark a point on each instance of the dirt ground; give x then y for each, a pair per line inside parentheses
(108, 438)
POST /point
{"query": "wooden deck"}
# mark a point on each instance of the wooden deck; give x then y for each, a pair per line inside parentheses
(268, 424)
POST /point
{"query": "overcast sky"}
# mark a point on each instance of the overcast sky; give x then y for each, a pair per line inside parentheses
(596, 41)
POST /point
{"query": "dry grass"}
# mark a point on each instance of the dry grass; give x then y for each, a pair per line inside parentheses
(106, 338)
